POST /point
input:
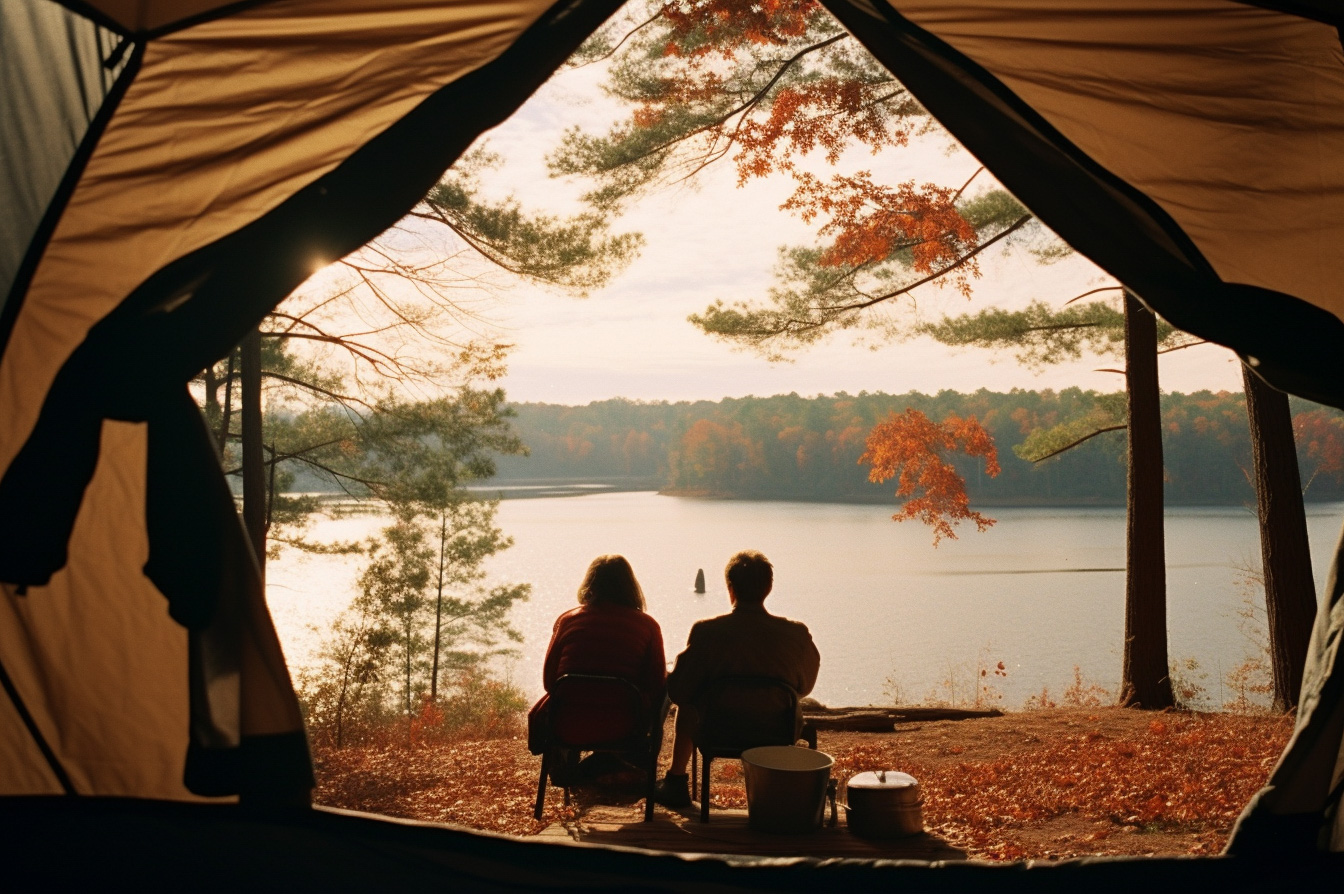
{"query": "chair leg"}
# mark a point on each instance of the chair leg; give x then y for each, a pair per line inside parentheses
(704, 790)
(651, 787)
(541, 784)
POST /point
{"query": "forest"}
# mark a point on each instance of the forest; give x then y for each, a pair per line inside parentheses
(789, 447)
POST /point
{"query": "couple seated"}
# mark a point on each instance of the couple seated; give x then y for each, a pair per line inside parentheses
(610, 635)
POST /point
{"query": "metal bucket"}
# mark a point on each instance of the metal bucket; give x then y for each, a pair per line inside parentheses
(786, 787)
(883, 804)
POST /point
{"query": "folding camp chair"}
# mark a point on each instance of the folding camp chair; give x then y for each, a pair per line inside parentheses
(740, 712)
(587, 712)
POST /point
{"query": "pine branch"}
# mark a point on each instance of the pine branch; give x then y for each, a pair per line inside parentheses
(1099, 431)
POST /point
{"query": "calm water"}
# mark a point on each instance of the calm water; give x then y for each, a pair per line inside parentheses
(1042, 591)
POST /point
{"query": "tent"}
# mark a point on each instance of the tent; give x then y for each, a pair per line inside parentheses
(171, 170)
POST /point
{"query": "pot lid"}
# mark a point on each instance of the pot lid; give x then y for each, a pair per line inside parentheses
(883, 779)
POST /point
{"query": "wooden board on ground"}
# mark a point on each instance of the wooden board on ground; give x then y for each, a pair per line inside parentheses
(727, 832)
(883, 720)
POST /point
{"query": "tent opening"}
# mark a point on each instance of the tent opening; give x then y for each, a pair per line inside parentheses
(178, 172)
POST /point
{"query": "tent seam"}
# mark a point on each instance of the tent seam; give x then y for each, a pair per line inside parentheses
(39, 740)
(37, 246)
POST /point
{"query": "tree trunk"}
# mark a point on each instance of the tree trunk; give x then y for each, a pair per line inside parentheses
(1145, 679)
(438, 608)
(226, 414)
(254, 464)
(1290, 591)
(212, 408)
(410, 712)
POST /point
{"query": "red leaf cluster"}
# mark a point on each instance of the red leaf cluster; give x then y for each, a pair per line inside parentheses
(723, 26)
(870, 222)
(915, 448)
(828, 114)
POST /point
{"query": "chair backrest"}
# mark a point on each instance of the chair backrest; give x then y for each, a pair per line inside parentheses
(740, 712)
(590, 711)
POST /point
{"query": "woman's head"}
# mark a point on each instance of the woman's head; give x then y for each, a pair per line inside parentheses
(611, 581)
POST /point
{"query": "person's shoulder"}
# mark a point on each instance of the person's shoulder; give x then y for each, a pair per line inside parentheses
(708, 625)
(797, 626)
(636, 616)
(650, 621)
(567, 617)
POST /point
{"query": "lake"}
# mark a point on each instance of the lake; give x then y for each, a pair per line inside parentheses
(895, 619)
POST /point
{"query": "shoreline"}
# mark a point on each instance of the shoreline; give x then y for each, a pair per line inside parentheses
(542, 488)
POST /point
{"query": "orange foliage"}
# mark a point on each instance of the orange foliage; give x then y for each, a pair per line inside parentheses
(869, 222)
(429, 719)
(1323, 439)
(760, 22)
(915, 448)
(828, 113)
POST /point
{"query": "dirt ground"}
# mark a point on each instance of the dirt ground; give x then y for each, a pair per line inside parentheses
(1044, 784)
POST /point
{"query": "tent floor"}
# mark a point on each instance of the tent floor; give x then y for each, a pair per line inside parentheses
(727, 832)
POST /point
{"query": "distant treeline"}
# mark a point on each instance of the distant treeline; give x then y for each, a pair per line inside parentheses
(790, 447)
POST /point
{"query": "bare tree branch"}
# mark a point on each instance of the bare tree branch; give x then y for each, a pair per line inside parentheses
(629, 34)
(752, 100)
(1093, 292)
(803, 325)
(1099, 431)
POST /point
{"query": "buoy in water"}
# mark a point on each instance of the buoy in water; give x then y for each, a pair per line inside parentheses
(700, 580)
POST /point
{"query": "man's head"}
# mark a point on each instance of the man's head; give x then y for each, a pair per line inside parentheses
(750, 577)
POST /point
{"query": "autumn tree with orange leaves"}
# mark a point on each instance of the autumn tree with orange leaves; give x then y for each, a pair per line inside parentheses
(781, 89)
(914, 449)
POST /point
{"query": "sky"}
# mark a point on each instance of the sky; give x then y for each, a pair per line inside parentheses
(715, 240)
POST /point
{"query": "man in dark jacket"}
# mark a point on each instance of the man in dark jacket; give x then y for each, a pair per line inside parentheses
(746, 641)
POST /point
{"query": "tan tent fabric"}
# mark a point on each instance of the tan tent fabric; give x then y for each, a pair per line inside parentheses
(1230, 117)
(95, 656)
(138, 16)
(224, 121)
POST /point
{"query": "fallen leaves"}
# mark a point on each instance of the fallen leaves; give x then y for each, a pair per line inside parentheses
(1183, 773)
(487, 785)
(1110, 781)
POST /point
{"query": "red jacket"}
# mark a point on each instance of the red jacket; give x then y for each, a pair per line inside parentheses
(608, 639)
(611, 640)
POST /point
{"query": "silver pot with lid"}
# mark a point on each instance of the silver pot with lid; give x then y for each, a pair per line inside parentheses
(883, 804)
